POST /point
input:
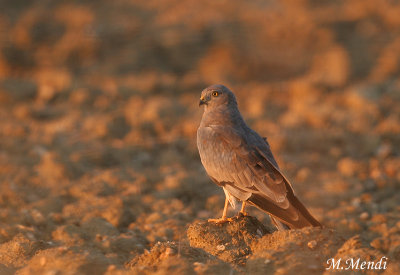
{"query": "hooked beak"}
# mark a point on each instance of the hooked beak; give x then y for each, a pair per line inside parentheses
(202, 101)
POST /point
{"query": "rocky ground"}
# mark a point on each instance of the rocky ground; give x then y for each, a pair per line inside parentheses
(99, 170)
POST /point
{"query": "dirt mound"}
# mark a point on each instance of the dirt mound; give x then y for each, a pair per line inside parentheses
(300, 251)
(245, 241)
(229, 241)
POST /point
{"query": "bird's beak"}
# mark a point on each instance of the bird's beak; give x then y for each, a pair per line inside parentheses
(202, 101)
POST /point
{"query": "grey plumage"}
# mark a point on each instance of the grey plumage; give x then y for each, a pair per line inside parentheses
(241, 162)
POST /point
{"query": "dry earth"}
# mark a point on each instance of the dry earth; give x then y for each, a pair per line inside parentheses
(99, 171)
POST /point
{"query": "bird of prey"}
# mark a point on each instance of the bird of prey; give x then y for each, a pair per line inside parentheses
(237, 159)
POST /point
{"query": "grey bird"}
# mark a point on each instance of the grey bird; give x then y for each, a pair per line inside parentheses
(240, 161)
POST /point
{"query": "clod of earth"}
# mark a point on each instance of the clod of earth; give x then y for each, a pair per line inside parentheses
(251, 247)
(229, 241)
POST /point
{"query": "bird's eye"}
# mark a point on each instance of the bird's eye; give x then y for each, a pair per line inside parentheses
(215, 93)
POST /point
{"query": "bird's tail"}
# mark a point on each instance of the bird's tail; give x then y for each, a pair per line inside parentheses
(296, 216)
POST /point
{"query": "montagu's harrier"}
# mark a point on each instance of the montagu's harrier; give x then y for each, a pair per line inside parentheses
(241, 162)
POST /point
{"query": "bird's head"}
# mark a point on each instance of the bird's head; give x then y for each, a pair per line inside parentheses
(215, 96)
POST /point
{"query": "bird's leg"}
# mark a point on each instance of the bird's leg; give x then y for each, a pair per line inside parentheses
(242, 210)
(223, 218)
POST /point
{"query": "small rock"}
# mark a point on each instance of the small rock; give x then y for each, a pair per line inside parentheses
(30, 236)
(169, 251)
(199, 267)
(62, 248)
(384, 150)
(364, 216)
(347, 167)
(38, 217)
(312, 244)
(303, 174)
(221, 247)
(356, 202)
(111, 268)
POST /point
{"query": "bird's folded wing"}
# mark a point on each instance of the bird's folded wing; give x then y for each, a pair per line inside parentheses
(249, 168)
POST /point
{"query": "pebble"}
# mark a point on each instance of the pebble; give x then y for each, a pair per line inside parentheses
(199, 267)
(364, 216)
(312, 244)
(62, 248)
(221, 247)
(30, 236)
(198, 264)
(111, 267)
(384, 150)
(356, 202)
(347, 167)
(169, 251)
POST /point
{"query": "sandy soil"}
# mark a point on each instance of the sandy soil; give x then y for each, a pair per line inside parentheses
(99, 170)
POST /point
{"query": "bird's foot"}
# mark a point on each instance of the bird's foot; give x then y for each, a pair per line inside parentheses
(243, 213)
(220, 220)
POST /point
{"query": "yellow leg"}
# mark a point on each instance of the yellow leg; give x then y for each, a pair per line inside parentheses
(225, 209)
(242, 210)
(223, 218)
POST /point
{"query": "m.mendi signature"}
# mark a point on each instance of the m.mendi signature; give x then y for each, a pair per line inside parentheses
(356, 264)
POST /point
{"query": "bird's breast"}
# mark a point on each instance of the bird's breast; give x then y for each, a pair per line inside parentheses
(215, 154)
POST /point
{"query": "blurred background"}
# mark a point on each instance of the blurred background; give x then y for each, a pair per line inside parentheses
(99, 112)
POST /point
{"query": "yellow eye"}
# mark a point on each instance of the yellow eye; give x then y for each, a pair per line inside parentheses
(215, 93)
